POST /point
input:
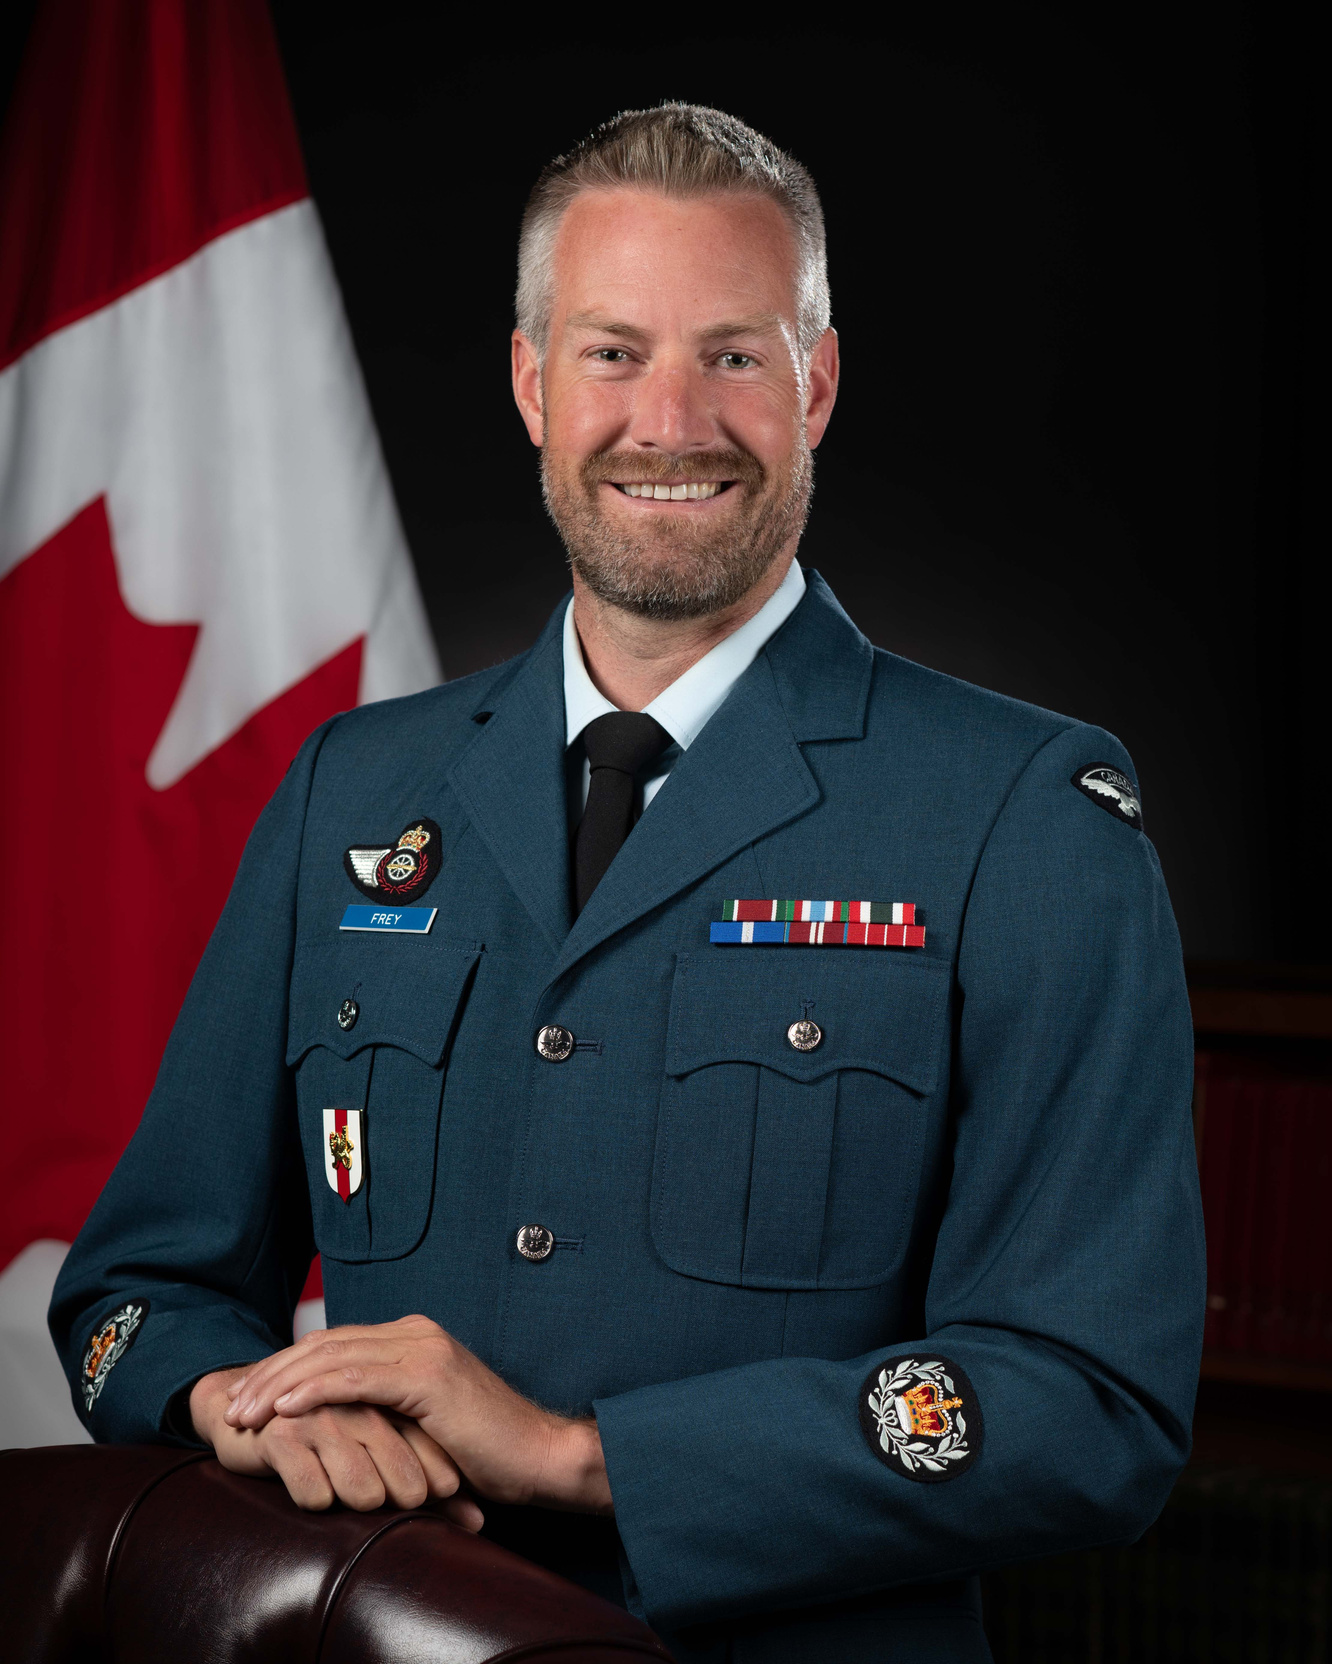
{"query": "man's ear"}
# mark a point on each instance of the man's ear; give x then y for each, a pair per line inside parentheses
(527, 386)
(824, 369)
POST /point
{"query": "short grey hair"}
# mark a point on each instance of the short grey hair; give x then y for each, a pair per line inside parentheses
(680, 150)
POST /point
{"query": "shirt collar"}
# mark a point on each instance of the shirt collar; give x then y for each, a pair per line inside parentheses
(683, 707)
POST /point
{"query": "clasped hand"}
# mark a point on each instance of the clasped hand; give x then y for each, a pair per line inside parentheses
(397, 1411)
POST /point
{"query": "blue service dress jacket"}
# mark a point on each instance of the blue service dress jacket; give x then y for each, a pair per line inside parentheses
(857, 1320)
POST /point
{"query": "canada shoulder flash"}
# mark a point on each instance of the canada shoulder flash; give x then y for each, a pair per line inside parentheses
(1109, 788)
(398, 871)
(920, 1417)
(108, 1346)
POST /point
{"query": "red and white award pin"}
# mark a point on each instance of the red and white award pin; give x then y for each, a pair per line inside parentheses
(344, 1151)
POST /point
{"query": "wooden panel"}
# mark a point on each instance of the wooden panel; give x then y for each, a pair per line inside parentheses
(1293, 1013)
(1266, 1372)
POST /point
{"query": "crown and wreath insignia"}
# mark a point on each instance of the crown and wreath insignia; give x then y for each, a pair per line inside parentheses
(107, 1346)
(920, 1417)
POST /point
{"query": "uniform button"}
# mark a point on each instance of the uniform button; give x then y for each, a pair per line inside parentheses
(348, 1012)
(535, 1242)
(554, 1043)
(805, 1035)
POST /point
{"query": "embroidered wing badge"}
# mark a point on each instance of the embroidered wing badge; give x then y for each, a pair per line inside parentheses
(921, 1418)
(1110, 789)
(399, 871)
(108, 1346)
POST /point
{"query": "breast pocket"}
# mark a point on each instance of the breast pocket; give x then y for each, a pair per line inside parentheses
(786, 1164)
(372, 1022)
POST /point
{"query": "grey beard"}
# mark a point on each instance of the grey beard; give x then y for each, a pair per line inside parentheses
(677, 571)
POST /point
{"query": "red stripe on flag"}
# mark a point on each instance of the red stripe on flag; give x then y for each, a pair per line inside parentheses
(139, 130)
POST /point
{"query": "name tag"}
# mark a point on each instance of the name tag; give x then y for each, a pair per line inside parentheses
(415, 920)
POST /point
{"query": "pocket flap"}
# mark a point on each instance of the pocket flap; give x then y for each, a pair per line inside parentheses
(876, 1009)
(407, 994)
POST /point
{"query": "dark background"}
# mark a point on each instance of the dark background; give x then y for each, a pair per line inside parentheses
(1068, 260)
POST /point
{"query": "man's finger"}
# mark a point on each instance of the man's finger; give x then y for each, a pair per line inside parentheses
(351, 1470)
(381, 1384)
(309, 1342)
(239, 1452)
(463, 1511)
(254, 1406)
(301, 1471)
(442, 1477)
(398, 1462)
(276, 1362)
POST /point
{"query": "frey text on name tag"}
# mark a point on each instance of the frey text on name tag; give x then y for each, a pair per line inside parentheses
(416, 921)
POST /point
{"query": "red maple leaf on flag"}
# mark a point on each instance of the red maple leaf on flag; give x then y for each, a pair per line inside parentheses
(112, 888)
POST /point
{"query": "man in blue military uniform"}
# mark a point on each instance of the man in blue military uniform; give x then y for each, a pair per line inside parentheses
(820, 1252)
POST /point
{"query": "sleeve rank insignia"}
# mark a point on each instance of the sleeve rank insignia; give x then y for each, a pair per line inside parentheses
(396, 872)
(921, 1419)
(107, 1347)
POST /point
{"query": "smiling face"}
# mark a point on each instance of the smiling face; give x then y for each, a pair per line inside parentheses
(675, 414)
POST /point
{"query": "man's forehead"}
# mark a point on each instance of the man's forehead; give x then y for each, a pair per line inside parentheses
(604, 321)
(730, 258)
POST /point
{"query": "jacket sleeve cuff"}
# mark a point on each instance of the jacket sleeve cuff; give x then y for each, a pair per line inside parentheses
(666, 1455)
(134, 1402)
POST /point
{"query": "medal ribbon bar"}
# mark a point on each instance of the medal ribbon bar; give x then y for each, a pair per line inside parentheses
(817, 933)
(820, 912)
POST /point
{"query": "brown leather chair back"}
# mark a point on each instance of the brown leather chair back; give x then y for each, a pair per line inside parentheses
(146, 1555)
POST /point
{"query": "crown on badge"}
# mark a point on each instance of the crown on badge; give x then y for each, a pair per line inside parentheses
(416, 839)
(101, 1345)
(929, 1412)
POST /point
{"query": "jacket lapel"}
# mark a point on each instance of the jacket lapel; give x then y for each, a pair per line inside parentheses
(511, 782)
(744, 774)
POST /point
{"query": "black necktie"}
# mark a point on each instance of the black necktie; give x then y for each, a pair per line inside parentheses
(618, 745)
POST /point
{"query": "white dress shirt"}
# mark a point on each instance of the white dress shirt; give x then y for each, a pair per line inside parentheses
(683, 707)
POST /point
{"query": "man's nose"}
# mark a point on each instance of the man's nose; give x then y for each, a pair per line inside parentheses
(671, 410)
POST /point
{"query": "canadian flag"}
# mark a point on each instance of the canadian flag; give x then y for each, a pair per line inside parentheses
(200, 560)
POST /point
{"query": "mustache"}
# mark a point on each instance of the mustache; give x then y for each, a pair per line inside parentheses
(628, 467)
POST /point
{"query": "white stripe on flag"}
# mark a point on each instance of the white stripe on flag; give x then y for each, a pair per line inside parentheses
(747, 932)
